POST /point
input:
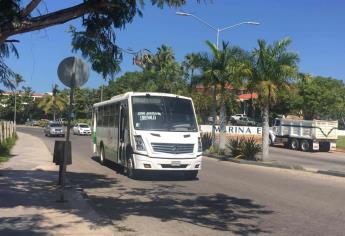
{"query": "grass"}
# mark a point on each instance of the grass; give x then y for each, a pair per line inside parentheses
(341, 142)
(5, 148)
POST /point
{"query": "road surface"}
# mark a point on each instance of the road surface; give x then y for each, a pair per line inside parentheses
(227, 199)
(334, 161)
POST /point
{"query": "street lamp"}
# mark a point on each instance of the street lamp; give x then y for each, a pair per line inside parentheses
(217, 29)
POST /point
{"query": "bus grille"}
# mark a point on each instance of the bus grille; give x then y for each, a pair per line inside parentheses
(173, 148)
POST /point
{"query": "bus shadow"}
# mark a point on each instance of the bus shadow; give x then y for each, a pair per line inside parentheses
(116, 202)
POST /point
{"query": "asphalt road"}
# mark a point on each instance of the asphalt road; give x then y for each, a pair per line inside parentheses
(227, 199)
(334, 161)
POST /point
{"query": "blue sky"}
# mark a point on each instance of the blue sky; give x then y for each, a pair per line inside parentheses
(316, 28)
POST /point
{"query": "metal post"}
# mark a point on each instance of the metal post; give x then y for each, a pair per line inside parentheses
(15, 106)
(218, 39)
(63, 167)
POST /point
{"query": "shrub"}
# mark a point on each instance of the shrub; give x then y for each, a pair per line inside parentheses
(5, 148)
(206, 141)
(244, 148)
(235, 146)
(250, 149)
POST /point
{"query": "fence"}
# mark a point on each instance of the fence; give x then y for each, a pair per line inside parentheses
(7, 130)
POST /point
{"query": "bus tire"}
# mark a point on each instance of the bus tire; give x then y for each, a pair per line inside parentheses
(192, 174)
(102, 155)
(130, 169)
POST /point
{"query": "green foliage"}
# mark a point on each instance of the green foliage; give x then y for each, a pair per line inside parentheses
(5, 148)
(54, 103)
(97, 37)
(341, 142)
(235, 145)
(322, 98)
(202, 104)
(273, 69)
(85, 121)
(244, 148)
(206, 141)
(43, 122)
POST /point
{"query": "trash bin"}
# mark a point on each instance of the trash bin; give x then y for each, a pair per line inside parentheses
(59, 151)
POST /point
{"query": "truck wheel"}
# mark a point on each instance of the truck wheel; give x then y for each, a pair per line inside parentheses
(305, 146)
(294, 144)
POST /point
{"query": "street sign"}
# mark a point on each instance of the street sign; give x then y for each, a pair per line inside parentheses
(73, 72)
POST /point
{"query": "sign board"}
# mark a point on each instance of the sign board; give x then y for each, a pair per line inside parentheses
(73, 72)
(242, 130)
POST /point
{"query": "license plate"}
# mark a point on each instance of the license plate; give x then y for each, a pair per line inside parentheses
(175, 163)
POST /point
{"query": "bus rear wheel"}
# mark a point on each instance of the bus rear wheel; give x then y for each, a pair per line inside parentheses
(102, 156)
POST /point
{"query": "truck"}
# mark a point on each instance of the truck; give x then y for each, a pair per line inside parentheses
(305, 135)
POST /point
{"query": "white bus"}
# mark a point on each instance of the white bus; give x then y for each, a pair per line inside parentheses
(148, 131)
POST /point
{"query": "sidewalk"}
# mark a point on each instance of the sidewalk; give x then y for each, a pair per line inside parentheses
(28, 195)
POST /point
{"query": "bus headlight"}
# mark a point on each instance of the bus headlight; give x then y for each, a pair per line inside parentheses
(139, 143)
(199, 145)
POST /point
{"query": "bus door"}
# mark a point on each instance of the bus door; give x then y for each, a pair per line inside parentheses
(123, 133)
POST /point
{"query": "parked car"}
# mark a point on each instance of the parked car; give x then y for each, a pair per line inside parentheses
(54, 129)
(245, 121)
(82, 129)
(237, 116)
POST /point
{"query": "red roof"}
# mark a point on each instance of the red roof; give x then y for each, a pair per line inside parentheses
(247, 96)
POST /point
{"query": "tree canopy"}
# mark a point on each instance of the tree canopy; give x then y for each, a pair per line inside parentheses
(96, 39)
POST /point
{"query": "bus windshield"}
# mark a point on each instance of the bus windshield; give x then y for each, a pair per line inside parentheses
(163, 114)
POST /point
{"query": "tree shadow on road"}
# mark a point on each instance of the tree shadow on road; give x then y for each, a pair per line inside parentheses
(116, 202)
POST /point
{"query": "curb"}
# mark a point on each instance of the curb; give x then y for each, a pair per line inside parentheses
(278, 165)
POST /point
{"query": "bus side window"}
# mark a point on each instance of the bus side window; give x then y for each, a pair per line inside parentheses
(99, 116)
(112, 115)
(116, 114)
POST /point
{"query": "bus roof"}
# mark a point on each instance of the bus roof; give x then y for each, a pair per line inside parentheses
(133, 94)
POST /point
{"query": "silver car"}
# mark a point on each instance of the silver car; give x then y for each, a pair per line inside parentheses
(54, 129)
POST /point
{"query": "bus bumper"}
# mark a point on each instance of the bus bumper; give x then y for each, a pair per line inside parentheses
(148, 163)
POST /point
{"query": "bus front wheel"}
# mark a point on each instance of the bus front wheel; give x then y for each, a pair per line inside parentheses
(130, 169)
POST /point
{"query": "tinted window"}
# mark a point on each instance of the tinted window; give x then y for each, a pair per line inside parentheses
(163, 113)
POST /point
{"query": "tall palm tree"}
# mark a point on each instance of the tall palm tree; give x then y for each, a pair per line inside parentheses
(53, 103)
(192, 62)
(230, 65)
(274, 68)
(17, 80)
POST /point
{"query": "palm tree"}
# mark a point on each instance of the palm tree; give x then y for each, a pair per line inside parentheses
(274, 68)
(6, 74)
(192, 62)
(17, 80)
(53, 103)
(230, 65)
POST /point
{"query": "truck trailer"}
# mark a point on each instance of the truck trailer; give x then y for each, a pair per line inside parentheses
(305, 135)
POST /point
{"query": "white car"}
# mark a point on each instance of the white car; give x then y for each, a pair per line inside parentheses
(82, 129)
(238, 116)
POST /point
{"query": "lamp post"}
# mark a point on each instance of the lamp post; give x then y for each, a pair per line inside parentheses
(218, 31)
